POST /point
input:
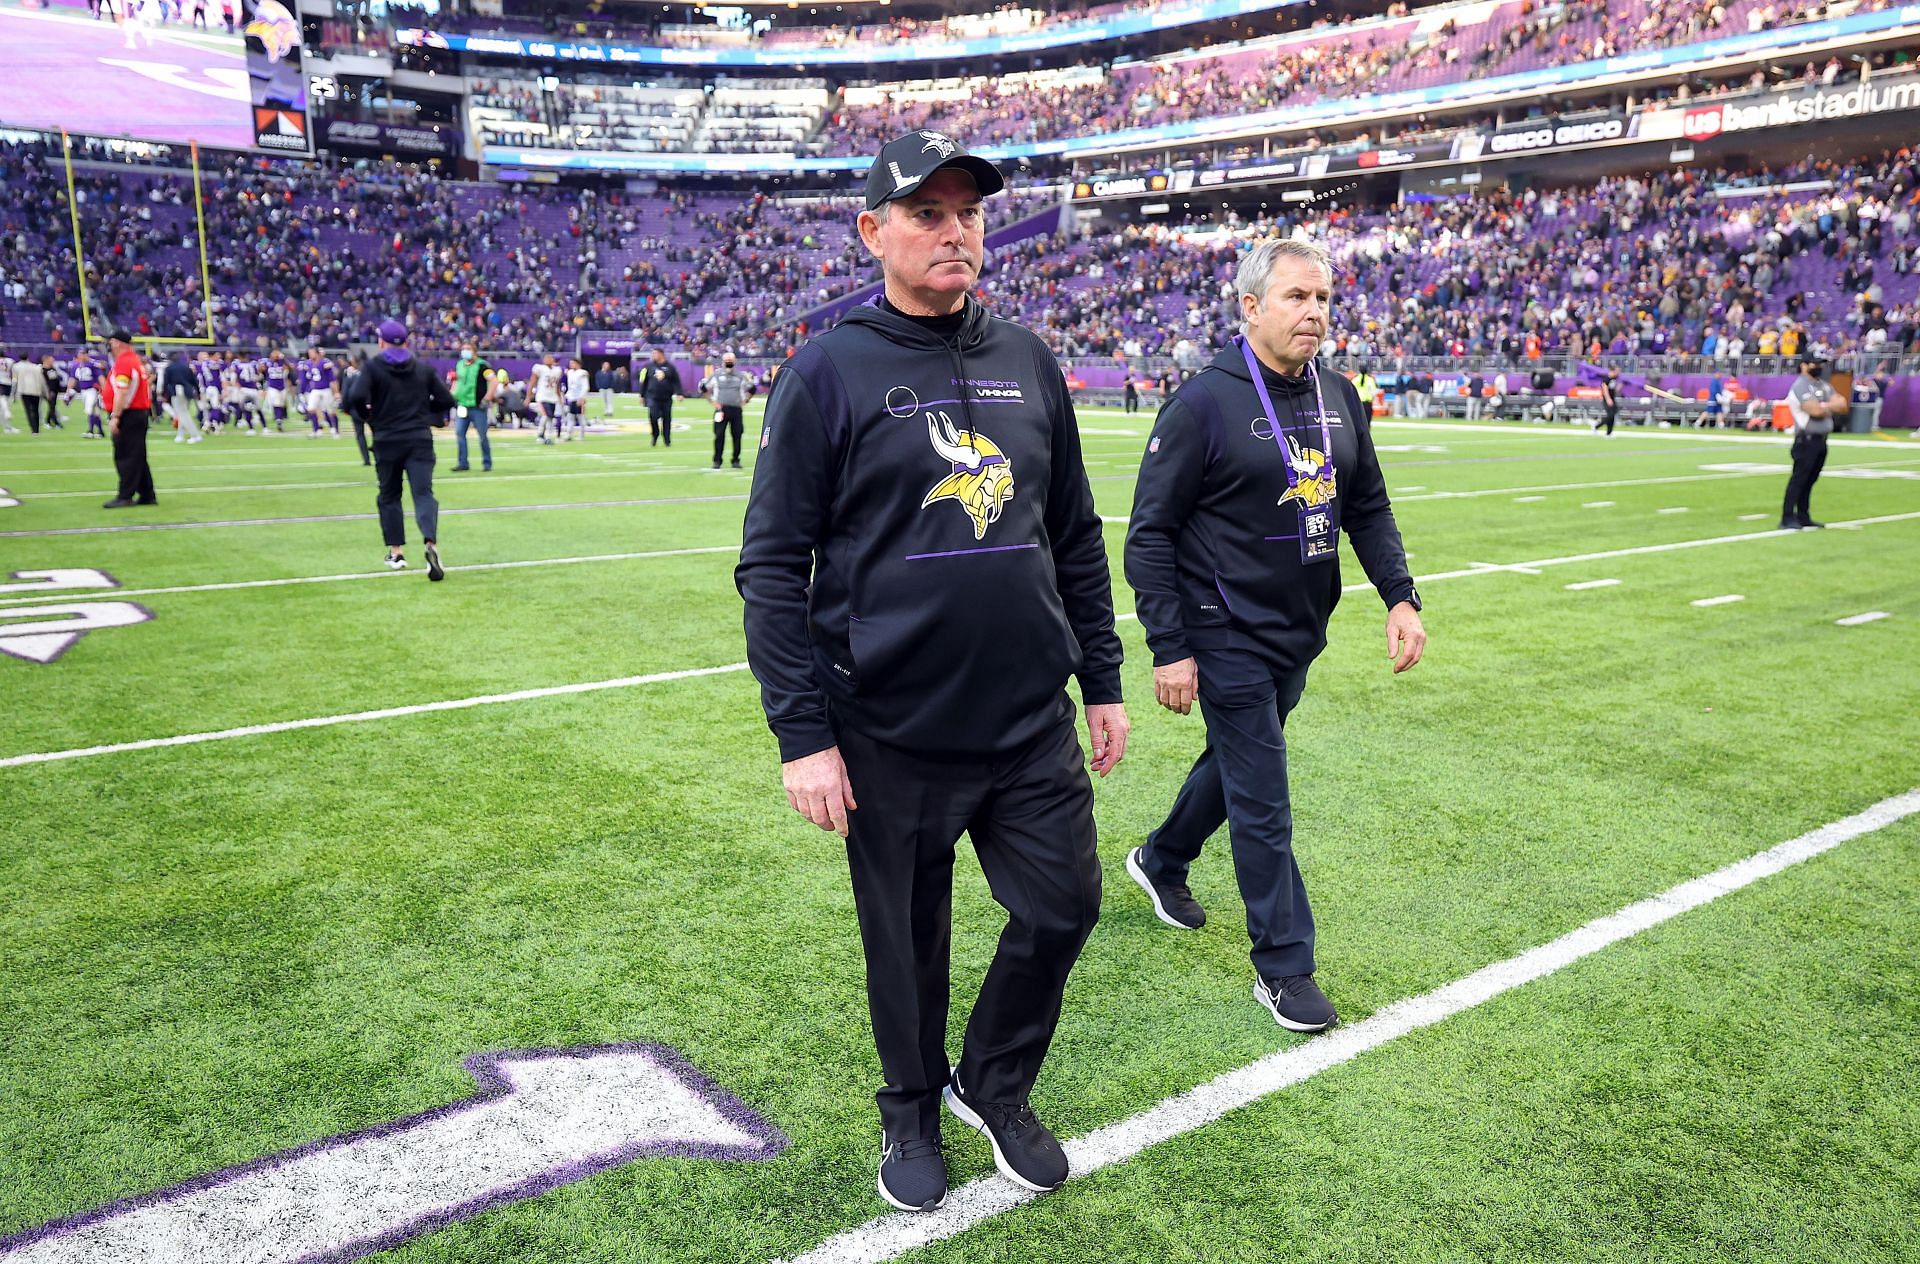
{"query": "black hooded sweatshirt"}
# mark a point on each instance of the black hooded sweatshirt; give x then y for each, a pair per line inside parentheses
(934, 491)
(1212, 554)
(398, 400)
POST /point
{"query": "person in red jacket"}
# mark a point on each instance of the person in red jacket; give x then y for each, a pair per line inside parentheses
(129, 411)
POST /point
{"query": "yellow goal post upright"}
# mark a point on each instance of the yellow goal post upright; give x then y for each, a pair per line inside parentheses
(80, 257)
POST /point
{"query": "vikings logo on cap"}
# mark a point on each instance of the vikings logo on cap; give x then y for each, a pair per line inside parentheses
(982, 478)
(938, 144)
(275, 28)
(1315, 486)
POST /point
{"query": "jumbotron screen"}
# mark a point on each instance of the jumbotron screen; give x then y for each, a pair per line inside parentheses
(226, 73)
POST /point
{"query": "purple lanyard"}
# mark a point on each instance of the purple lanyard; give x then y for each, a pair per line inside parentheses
(1273, 416)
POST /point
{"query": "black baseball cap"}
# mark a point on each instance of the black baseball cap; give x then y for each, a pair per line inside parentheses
(121, 335)
(904, 162)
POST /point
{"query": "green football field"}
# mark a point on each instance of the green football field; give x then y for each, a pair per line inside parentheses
(266, 935)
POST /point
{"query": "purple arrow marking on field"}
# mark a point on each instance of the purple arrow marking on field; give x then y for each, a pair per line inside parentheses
(543, 1118)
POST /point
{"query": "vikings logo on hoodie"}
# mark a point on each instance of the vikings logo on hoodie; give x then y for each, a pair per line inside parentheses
(982, 478)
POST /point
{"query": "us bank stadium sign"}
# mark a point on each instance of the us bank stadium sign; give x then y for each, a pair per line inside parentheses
(1784, 109)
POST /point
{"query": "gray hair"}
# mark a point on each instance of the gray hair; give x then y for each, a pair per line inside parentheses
(1255, 276)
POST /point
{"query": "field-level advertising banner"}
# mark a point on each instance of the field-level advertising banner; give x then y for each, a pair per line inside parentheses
(150, 79)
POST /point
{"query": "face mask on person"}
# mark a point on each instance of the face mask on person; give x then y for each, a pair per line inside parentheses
(467, 354)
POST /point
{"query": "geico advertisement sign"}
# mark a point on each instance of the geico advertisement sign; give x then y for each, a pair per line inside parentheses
(1556, 137)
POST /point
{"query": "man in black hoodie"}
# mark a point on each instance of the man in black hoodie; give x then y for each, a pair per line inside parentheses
(923, 570)
(1254, 470)
(401, 399)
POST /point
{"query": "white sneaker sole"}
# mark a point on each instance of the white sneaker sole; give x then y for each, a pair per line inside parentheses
(968, 1116)
(1273, 1007)
(1139, 875)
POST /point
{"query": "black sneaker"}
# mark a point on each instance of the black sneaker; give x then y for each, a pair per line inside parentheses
(1811, 525)
(1024, 1151)
(1788, 526)
(736, 463)
(1173, 903)
(395, 562)
(913, 1175)
(118, 502)
(1296, 1002)
(435, 571)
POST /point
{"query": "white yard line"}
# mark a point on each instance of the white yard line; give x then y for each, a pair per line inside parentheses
(1855, 620)
(446, 479)
(628, 681)
(1584, 585)
(979, 1200)
(1672, 436)
(353, 575)
(363, 517)
(1598, 504)
(357, 717)
(1727, 600)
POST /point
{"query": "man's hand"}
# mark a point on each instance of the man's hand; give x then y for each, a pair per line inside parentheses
(1107, 727)
(113, 425)
(818, 789)
(1406, 639)
(1176, 685)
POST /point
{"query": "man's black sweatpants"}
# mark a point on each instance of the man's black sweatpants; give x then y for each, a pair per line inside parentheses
(1030, 815)
(1240, 780)
(1809, 458)
(410, 454)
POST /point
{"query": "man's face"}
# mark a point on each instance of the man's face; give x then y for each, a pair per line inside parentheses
(931, 243)
(1287, 326)
(659, 357)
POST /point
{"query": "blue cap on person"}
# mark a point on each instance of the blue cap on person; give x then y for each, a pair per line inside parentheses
(392, 331)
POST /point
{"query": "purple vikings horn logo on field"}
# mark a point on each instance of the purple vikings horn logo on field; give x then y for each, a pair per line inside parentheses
(982, 478)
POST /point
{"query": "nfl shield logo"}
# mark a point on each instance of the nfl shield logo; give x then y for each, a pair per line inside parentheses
(766, 433)
(1154, 444)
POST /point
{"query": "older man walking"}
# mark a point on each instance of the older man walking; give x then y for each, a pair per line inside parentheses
(923, 570)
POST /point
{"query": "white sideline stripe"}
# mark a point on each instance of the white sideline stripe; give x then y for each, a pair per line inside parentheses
(1672, 436)
(379, 574)
(979, 1200)
(1598, 504)
(364, 517)
(485, 479)
(385, 713)
(1592, 583)
(1673, 509)
(593, 686)
(1855, 620)
(1527, 500)
(1727, 600)
(1754, 517)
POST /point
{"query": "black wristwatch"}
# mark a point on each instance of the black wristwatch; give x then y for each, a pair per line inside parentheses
(1413, 596)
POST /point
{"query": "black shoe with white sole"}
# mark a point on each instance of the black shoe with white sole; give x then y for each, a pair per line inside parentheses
(435, 571)
(1173, 903)
(1296, 1002)
(913, 1174)
(395, 562)
(1023, 1149)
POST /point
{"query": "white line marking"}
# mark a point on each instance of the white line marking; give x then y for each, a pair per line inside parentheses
(356, 717)
(592, 686)
(979, 1200)
(365, 517)
(1598, 504)
(1528, 500)
(1727, 600)
(1516, 568)
(386, 574)
(1420, 488)
(1677, 436)
(1674, 509)
(1584, 585)
(1754, 517)
(447, 478)
(1855, 620)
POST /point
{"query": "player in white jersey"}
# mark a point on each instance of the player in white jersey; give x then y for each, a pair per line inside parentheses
(6, 393)
(579, 382)
(545, 381)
